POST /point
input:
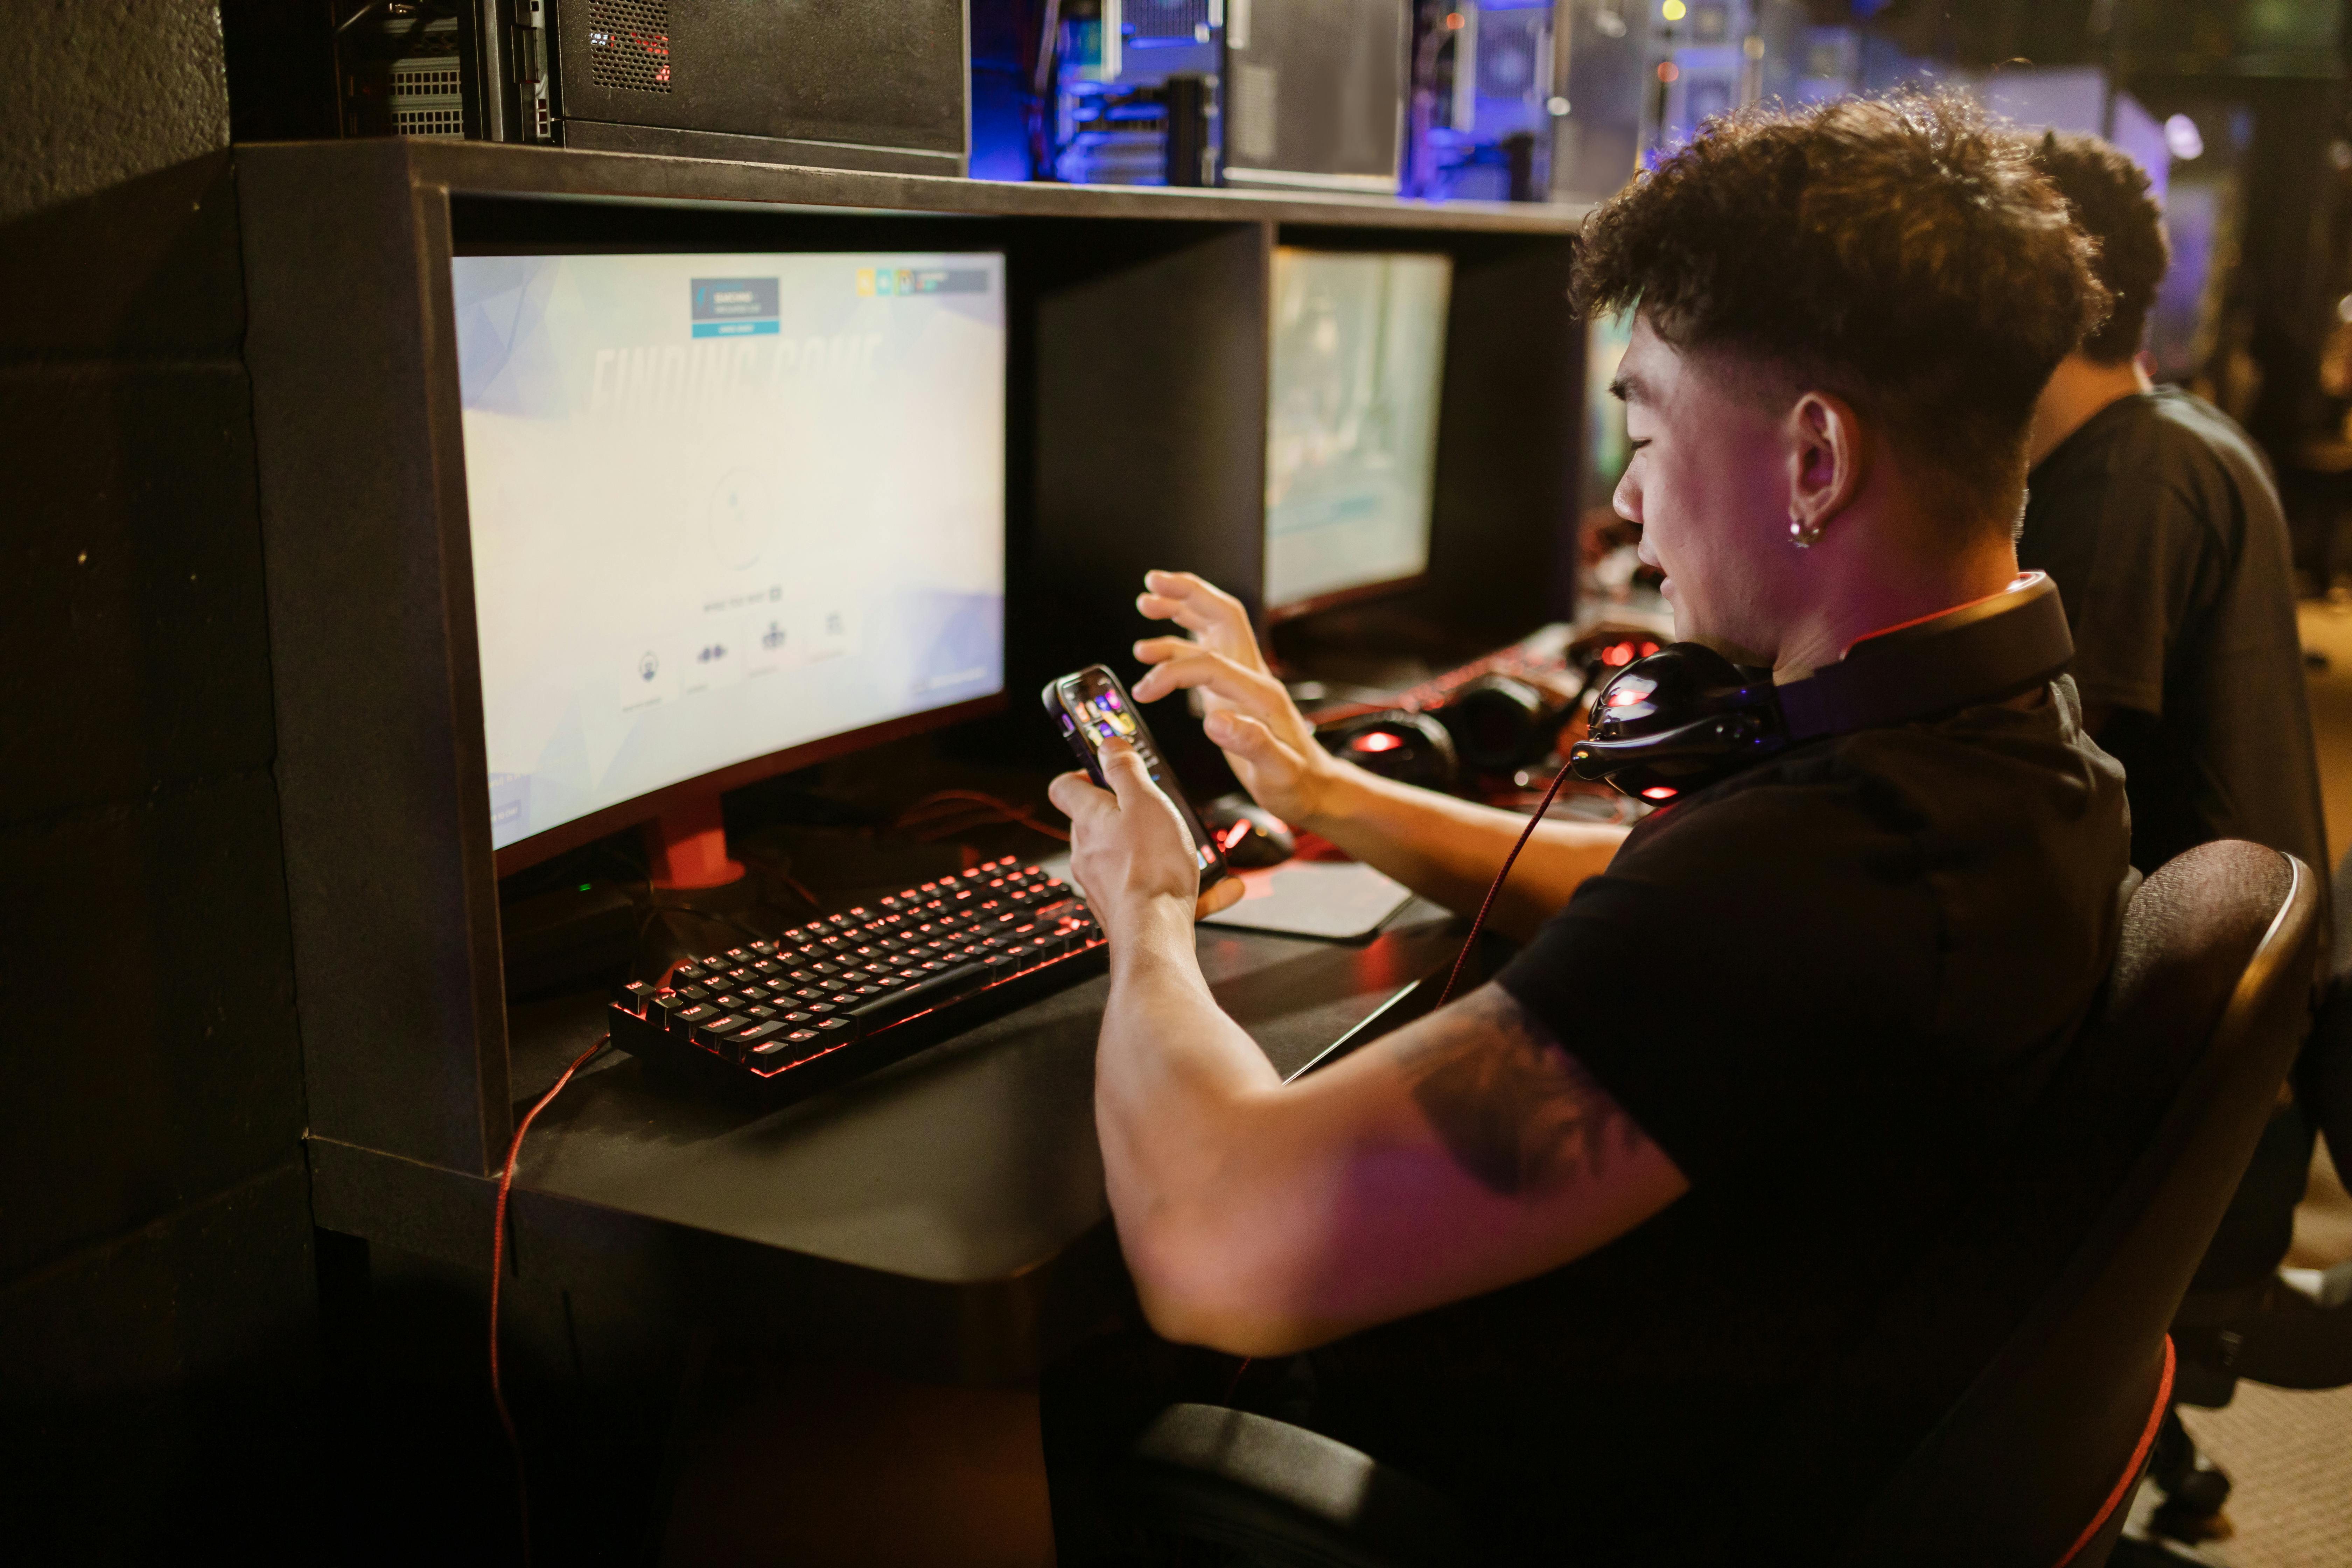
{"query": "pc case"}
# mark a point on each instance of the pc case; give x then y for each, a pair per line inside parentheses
(1134, 91)
(1488, 81)
(878, 85)
(1315, 93)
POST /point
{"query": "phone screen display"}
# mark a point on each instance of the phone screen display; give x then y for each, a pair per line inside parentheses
(1091, 708)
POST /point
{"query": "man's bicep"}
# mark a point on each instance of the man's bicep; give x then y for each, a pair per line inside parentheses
(1513, 1108)
(1463, 1154)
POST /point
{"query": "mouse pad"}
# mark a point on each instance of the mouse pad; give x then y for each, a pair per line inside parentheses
(1335, 901)
(1340, 900)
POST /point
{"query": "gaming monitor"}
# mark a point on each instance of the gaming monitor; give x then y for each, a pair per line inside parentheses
(730, 513)
(1351, 423)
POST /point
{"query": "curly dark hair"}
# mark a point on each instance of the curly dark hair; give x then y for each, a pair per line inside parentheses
(1901, 253)
(2109, 195)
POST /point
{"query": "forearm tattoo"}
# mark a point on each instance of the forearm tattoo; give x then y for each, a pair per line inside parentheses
(1513, 1108)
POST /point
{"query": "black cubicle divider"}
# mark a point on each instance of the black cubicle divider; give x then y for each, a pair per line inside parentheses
(1137, 366)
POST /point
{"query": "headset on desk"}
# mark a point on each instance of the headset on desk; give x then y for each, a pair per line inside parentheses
(1685, 717)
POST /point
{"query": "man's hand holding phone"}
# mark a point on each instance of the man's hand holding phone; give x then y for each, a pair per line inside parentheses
(1269, 744)
(1129, 850)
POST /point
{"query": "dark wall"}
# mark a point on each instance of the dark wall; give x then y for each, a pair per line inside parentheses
(156, 1290)
(100, 91)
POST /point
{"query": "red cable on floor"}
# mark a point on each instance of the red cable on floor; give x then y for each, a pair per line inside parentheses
(1495, 885)
(498, 1271)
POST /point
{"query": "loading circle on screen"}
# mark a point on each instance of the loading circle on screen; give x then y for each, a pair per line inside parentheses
(740, 516)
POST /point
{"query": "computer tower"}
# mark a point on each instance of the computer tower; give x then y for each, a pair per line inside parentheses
(1489, 81)
(1133, 100)
(1314, 93)
(879, 85)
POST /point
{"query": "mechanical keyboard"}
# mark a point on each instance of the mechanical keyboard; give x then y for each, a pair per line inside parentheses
(841, 996)
(1540, 659)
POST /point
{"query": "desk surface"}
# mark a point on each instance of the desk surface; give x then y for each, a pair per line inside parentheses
(972, 1160)
(946, 1215)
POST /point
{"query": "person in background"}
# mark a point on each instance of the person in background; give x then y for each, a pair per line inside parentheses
(2156, 517)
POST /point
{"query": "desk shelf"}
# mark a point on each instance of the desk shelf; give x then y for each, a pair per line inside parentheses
(1137, 354)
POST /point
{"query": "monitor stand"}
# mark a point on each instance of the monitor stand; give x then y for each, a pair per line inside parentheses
(685, 846)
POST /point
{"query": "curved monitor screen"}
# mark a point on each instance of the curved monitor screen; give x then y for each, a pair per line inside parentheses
(1352, 420)
(723, 506)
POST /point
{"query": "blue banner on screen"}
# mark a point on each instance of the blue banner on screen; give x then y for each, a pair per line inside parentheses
(737, 307)
(693, 548)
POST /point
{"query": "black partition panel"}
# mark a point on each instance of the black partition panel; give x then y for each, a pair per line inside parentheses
(1149, 431)
(1136, 366)
(1148, 447)
(1503, 540)
(380, 765)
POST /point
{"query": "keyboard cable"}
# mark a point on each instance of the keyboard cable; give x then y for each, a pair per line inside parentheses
(497, 1269)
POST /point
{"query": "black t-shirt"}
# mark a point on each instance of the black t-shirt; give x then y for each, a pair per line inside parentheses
(2159, 522)
(1820, 985)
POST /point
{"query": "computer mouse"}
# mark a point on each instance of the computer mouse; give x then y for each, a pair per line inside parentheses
(1411, 748)
(1250, 835)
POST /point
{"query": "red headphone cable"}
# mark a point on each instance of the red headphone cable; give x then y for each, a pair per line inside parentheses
(497, 1269)
(1495, 885)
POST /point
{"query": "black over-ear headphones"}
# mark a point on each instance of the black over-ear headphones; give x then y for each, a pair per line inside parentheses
(1685, 716)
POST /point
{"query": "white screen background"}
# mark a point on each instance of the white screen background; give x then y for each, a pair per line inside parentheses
(689, 551)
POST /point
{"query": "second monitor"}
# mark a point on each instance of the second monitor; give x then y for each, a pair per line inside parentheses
(1358, 353)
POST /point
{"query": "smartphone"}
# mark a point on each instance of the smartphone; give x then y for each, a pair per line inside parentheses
(1090, 706)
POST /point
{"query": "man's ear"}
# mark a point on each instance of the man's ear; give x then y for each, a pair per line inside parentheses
(1829, 458)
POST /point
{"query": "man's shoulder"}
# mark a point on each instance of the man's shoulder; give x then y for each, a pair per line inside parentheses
(1859, 804)
(2166, 463)
(2178, 440)
(2170, 420)
(1959, 878)
(2124, 435)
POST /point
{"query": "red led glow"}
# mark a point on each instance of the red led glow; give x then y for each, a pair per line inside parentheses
(1234, 835)
(1616, 654)
(1375, 740)
(1660, 792)
(1627, 697)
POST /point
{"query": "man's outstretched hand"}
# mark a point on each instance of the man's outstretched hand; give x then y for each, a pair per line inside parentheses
(1128, 847)
(1269, 744)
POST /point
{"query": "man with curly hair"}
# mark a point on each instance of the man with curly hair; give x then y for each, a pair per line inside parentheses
(1562, 1247)
(1566, 1247)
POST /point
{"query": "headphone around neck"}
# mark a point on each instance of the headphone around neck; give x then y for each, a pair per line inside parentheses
(1685, 716)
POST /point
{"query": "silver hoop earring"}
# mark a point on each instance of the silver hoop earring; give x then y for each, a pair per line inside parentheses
(1802, 537)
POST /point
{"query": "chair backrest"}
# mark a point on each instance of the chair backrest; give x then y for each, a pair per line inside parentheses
(2210, 997)
(2028, 1343)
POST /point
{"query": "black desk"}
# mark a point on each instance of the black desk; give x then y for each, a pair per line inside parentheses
(943, 1219)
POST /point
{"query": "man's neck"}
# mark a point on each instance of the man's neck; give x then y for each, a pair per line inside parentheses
(2078, 389)
(1872, 594)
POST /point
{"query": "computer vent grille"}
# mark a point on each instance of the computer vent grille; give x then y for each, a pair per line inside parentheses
(628, 44)
(1167, 19)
